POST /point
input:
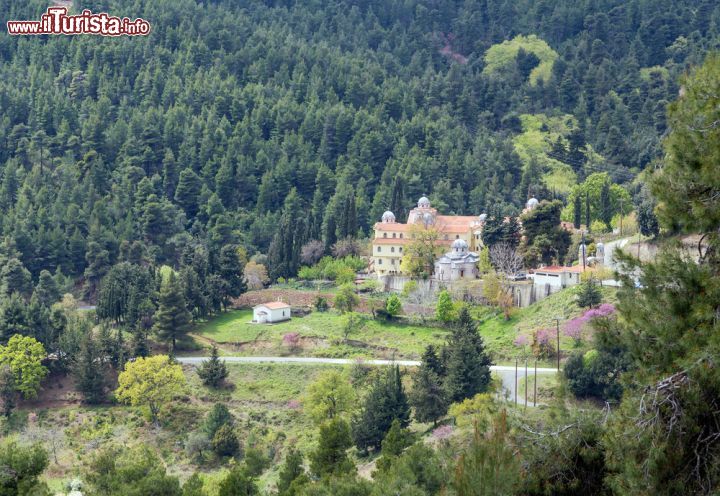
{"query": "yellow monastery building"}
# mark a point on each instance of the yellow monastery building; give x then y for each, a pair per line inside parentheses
(392, 236)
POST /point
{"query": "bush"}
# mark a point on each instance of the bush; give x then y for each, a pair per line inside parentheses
(225, 441)
(255, 462)
(595, 374)
(321, 304)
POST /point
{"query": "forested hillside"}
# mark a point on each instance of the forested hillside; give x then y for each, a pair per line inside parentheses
(240, 123)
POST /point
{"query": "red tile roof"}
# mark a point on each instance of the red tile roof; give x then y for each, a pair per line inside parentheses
(558, 268)
(274, 305)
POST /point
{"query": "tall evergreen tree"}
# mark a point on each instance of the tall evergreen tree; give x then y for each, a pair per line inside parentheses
(89, 372)
(213, 371)
(172, 319)
(385, 402)
(468, 364)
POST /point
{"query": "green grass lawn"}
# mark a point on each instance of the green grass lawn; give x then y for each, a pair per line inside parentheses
(322, 335)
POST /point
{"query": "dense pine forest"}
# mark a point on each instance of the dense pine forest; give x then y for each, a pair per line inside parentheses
(234, 121)
(149, 183)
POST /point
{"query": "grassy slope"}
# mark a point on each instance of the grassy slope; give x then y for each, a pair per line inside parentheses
(324, 332)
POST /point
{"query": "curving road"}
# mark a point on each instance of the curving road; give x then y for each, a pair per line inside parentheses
(505, 372)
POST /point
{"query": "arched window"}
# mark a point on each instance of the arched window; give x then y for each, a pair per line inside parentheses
(384, 235)
(401, 236)
(394, 235)
(392, 249)
(379, 249)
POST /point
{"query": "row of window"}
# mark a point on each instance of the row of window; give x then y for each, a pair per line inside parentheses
(394, 235)
(392, 261)
(392, 249)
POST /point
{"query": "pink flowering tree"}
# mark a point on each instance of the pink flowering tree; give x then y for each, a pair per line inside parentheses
(574, 329)
(521, 341)
(442, 433)
(291, 340)
(542, 344)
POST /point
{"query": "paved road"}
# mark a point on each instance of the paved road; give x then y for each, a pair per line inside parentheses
(505, 372)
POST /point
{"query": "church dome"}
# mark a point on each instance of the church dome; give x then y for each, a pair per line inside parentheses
(388, 216)
(532, 203)
(423, 202)
(459, 245)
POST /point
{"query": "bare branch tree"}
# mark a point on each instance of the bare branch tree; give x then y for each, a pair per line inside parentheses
(312, 251)
(506, 259)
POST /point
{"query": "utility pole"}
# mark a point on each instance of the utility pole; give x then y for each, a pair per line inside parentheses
(516, 381)
(557, 324)
(535, 385)
(526, 381)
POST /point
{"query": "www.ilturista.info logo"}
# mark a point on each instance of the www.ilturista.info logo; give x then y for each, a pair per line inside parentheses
(57, 21)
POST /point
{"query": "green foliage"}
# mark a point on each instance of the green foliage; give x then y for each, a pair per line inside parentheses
(488, 466)
(330, 457)
(193, 486)
(292, 470)
(151, 382)
(172, 320)
(213, 371)
(393, 305)
(238, 483)
(135, 472)
(352, 322)
(329, 396)
(22, 467)
(8, 391)
(693, 155)
(545, 241)
(24, 356)
(89, 372)
(255, 461)
(428, 396)
(444, 309)
(467, 362)
(225, 441)
(601, 195)
(589, 295)
(385, 402)
(501, 55)
(346, 299)
(218, 416)
(321, 304)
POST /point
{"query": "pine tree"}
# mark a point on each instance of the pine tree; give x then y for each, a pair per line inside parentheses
(172, 319)
(47, 289)
(88, 371)
(385, 402)
(428, 396)
(330, 458)
(213, 371)
(291, 470)
(589, 294)
(187, 194)
(468, 364)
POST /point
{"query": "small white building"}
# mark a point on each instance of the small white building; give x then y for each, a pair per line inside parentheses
(268, 313)
(558, 277)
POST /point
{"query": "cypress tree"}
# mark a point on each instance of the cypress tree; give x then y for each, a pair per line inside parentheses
(588, 218)
(172, 319)
(88, 371)
(606, 211)
(577, 212)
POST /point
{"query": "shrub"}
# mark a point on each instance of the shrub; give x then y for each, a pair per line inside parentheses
(291, 340)
(225, 442)
(543, 343)
(321, 304)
